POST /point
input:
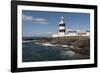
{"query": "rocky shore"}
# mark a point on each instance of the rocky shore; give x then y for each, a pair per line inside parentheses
(79, 44)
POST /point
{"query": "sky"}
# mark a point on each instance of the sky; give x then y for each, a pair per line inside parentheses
(44, 23)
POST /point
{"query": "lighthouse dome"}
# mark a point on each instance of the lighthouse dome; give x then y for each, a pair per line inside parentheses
(62, 20)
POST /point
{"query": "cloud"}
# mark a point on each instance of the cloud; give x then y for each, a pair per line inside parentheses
(26, 17)
(40, 21)
(34, 20)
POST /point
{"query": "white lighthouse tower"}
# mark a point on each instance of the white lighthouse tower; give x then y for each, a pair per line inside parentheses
(62, 28)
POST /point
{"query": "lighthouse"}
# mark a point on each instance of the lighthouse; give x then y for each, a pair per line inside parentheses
(62, 29)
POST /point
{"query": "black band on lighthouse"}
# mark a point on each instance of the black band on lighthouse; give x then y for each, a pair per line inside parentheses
(62, 30)
(61, 24)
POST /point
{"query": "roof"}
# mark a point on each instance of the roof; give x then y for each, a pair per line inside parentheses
(62, 20)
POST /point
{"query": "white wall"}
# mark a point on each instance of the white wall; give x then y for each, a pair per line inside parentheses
(5, 37)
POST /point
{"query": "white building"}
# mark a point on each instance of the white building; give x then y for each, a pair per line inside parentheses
(62, 31)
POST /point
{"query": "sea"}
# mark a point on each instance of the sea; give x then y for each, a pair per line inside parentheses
(34, 52)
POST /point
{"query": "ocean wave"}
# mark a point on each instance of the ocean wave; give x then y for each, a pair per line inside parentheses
(68, 53)
(47, 44)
